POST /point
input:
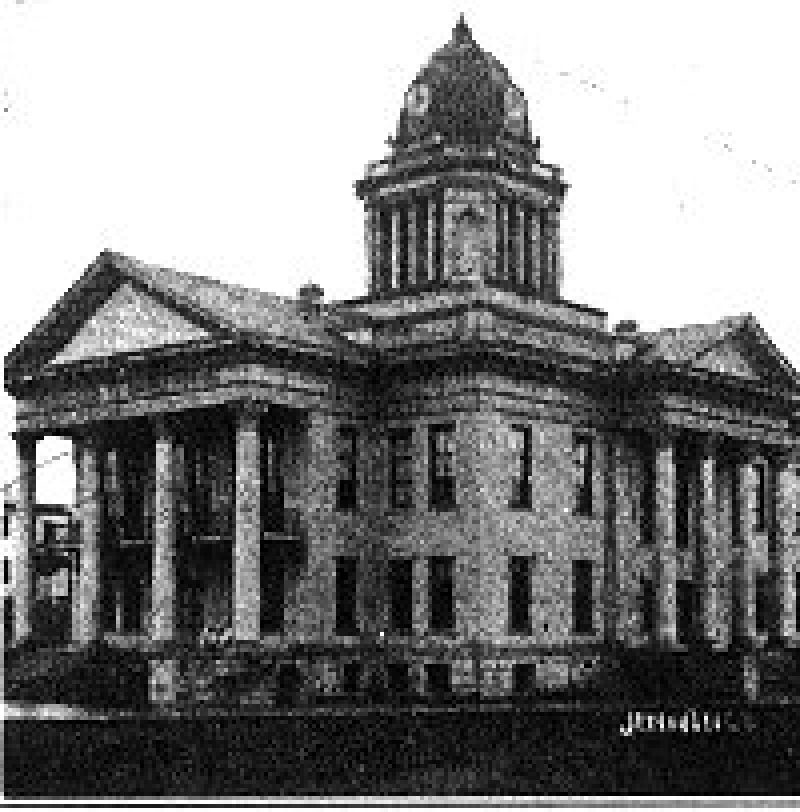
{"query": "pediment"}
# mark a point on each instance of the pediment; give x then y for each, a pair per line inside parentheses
(748, 355)
(129, 320)
(729, 360)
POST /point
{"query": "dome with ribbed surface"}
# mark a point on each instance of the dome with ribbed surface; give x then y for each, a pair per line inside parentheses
(465, 96)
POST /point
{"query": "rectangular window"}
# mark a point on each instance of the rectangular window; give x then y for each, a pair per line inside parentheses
(346, 579)
(583, 453)
(685, 609)
(385, 248)
(582, 609)
(440, 593)
(400, 468)
(351, 677)
(347, 489)
(6, 525)
(797, 601)
(273, 518)
(520, 439)
(273, 594)
(442, 467)
(648, 607)
(401, 594)
(797, 501)
(437, 677)
(763, 583)
(520, 594)
(760, 474)
(399, 679)
(682, 504)
(523, 679)
(648, 495)
(8, 619)
(6, 571)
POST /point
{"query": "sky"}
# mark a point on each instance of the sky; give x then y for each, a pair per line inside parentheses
(224, 138)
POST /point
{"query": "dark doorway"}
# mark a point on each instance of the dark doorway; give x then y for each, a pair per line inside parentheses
(437, 676)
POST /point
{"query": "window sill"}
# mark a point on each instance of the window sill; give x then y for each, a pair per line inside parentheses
(442, 508)
(519, 506)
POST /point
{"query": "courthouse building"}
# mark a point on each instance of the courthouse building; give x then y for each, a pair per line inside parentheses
(461, 465)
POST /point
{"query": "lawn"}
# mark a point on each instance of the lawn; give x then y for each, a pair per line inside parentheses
(498, 752)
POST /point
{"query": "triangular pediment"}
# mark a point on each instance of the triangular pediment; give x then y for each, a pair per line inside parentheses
(129, 321)
(729, 360)
(748, 354)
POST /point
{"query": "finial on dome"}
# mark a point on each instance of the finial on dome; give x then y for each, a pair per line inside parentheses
(462, 33)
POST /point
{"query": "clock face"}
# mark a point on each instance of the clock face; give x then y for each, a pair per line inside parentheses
(417, 100)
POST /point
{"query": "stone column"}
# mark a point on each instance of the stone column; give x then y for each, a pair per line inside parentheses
(247, 544)
(431, 246)
(75, 579)
(372, 243)
(744, 589)
(164, 583)
(519, 243)
(665, 553)
(781, 558)
(90, 513)
(708, 553)
(24, 538)
(617, 514)
(413, 246)
(396, 248)
(504, 257)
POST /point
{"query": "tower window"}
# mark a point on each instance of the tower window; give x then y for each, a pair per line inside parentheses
(385, 249)
(500, 244)
(273, 594)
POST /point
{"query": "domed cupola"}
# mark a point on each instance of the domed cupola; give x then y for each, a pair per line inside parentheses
(465, 96)
(463, 199)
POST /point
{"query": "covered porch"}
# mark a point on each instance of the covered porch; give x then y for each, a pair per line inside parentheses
(191, 524)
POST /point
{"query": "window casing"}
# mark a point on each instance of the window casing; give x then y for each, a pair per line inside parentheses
(440, 593)
(347, 485)
(442, 467)
(583, 451)
(346, 580)
(401, 462)
(520, 594)
(520, 439)
(582, 604)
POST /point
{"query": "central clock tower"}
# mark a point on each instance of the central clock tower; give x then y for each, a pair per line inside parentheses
(463, 198)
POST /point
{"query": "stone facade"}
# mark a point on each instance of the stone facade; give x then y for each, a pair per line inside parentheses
(564, 489)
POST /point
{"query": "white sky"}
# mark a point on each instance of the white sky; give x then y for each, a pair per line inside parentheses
(224, 138)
